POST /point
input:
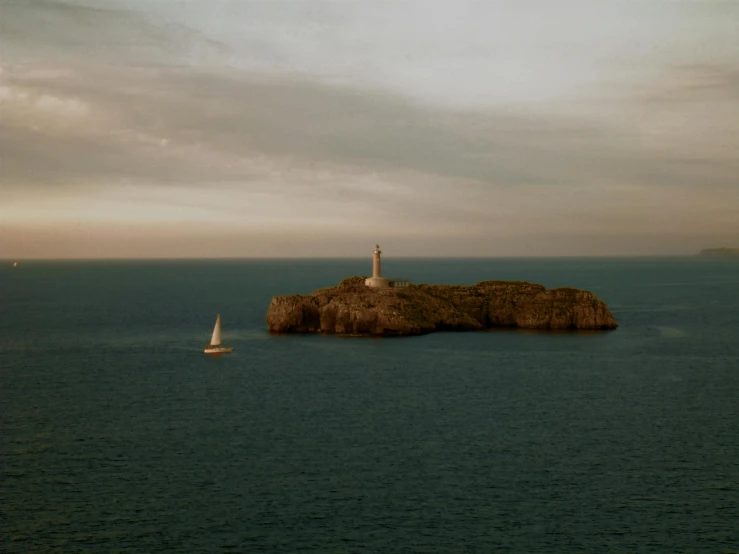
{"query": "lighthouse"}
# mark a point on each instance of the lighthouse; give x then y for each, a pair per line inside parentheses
(377, 280)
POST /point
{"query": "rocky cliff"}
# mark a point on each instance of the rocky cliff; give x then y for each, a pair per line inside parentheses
(354, 309)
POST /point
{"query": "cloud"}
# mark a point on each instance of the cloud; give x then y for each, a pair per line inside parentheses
(303, 118)
(279, 148)
(62, 106)
(8, 94)
(219, 123)
(25, 104)
(685, 83)
(61, 31)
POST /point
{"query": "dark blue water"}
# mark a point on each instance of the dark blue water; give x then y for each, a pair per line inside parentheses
(119, 435)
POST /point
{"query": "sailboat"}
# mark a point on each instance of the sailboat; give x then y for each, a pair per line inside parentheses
(215, 348)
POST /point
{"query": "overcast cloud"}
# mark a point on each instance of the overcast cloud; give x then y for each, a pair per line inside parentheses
(197, 128)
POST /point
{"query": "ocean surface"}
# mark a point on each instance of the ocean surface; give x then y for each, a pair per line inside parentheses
(118, 435)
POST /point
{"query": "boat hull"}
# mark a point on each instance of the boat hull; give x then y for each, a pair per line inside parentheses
(216, 351)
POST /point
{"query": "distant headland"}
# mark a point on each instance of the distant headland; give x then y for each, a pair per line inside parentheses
(720, 252)
(377, 306)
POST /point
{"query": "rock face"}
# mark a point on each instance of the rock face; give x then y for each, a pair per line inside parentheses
(351, 308)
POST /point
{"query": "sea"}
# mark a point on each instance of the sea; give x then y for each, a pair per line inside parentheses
(117, 434)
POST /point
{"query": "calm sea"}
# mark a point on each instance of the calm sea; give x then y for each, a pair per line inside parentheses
(118, 435)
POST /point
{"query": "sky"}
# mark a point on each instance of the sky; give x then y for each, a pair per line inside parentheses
(231, 128)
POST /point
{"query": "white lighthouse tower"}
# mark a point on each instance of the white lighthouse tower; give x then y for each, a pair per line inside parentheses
(377, 280)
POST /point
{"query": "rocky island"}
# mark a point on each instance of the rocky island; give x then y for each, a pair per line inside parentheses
(377, 306)
(354, 308)
(720, 252)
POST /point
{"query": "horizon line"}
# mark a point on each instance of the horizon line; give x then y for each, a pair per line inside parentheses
(334, 258)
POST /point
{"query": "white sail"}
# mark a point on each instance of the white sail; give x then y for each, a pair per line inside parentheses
(215, 340)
